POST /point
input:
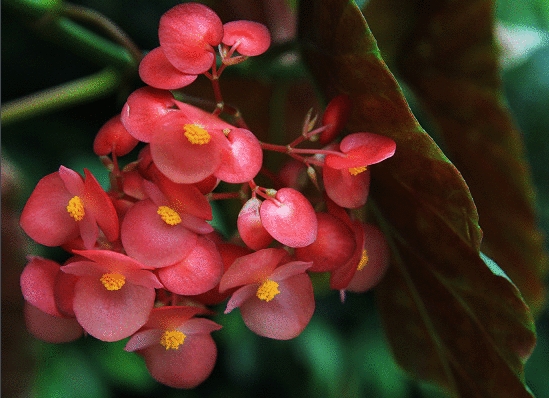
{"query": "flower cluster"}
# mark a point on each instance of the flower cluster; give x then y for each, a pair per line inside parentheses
(146, 264)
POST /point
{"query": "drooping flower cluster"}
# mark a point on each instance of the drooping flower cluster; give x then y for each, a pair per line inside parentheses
(145, 262)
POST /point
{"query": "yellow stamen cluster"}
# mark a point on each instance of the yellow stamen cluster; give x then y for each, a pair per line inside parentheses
(267, 290)
(113, 281)
(168, 215)
(75, 207)
(357, 170)
(363, 261)
(172, 339)
(196, 134)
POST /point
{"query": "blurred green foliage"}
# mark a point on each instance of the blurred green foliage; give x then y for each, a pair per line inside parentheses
(342, 353)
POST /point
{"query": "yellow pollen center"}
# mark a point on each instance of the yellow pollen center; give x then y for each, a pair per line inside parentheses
(168, 215)
(75, 207)
(172, 339)
(267, 291)
(113, 281)
(196, 134)
(363, 261)
(357, 170)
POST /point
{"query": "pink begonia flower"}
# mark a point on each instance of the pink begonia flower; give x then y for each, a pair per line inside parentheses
(341, 276)
(63, 206)
(178, 348)
(188, 35)
(249, 38)
(373, 263)
(114, 294)
(157, 71)
(290, 218)
(347, 178)
(276, 299)
(347, 188)
(159, 231)
(43, 318)
(197, 273)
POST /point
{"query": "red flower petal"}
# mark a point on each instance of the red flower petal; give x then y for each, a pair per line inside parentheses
(335, 117)
(242, 159)
(253, 38)
(290, 218)
(187, 34)
(378, 261)
(98, 203)
(362, 149)
(144, 112)
(111, 315)
(113, 137)
(49, 328)
(286, 315)
(37, 284)
(157, 71)
(250, 228)
(147, 238)
(334, 245)
(346, 190)
(251, 268)
(45, 218)
(199, 272)
(185, 367)
(180, 160)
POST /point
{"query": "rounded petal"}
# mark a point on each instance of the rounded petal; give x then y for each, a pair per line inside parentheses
(157, 71)
(185, 367)
(144, 111)
(286, 315)
(342, 276)
(37, 284)
(98, 203)
(333, 246)
(199, 272)
(346, 190)
(45, 218)
(335, 117)
(113, 138)
(148, 239)
(250, 228)
(251, 268)
(49, 328)
(290, 218)
(187, 33)
(242, 159)
(377, 251)
(180, 160)
(111, 315)
(362, 149)
(253, 38)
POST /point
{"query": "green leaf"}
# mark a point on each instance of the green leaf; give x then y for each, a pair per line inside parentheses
(449, 319)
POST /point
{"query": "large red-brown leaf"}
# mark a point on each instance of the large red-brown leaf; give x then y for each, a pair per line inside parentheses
(449, 57)
(449, 317)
